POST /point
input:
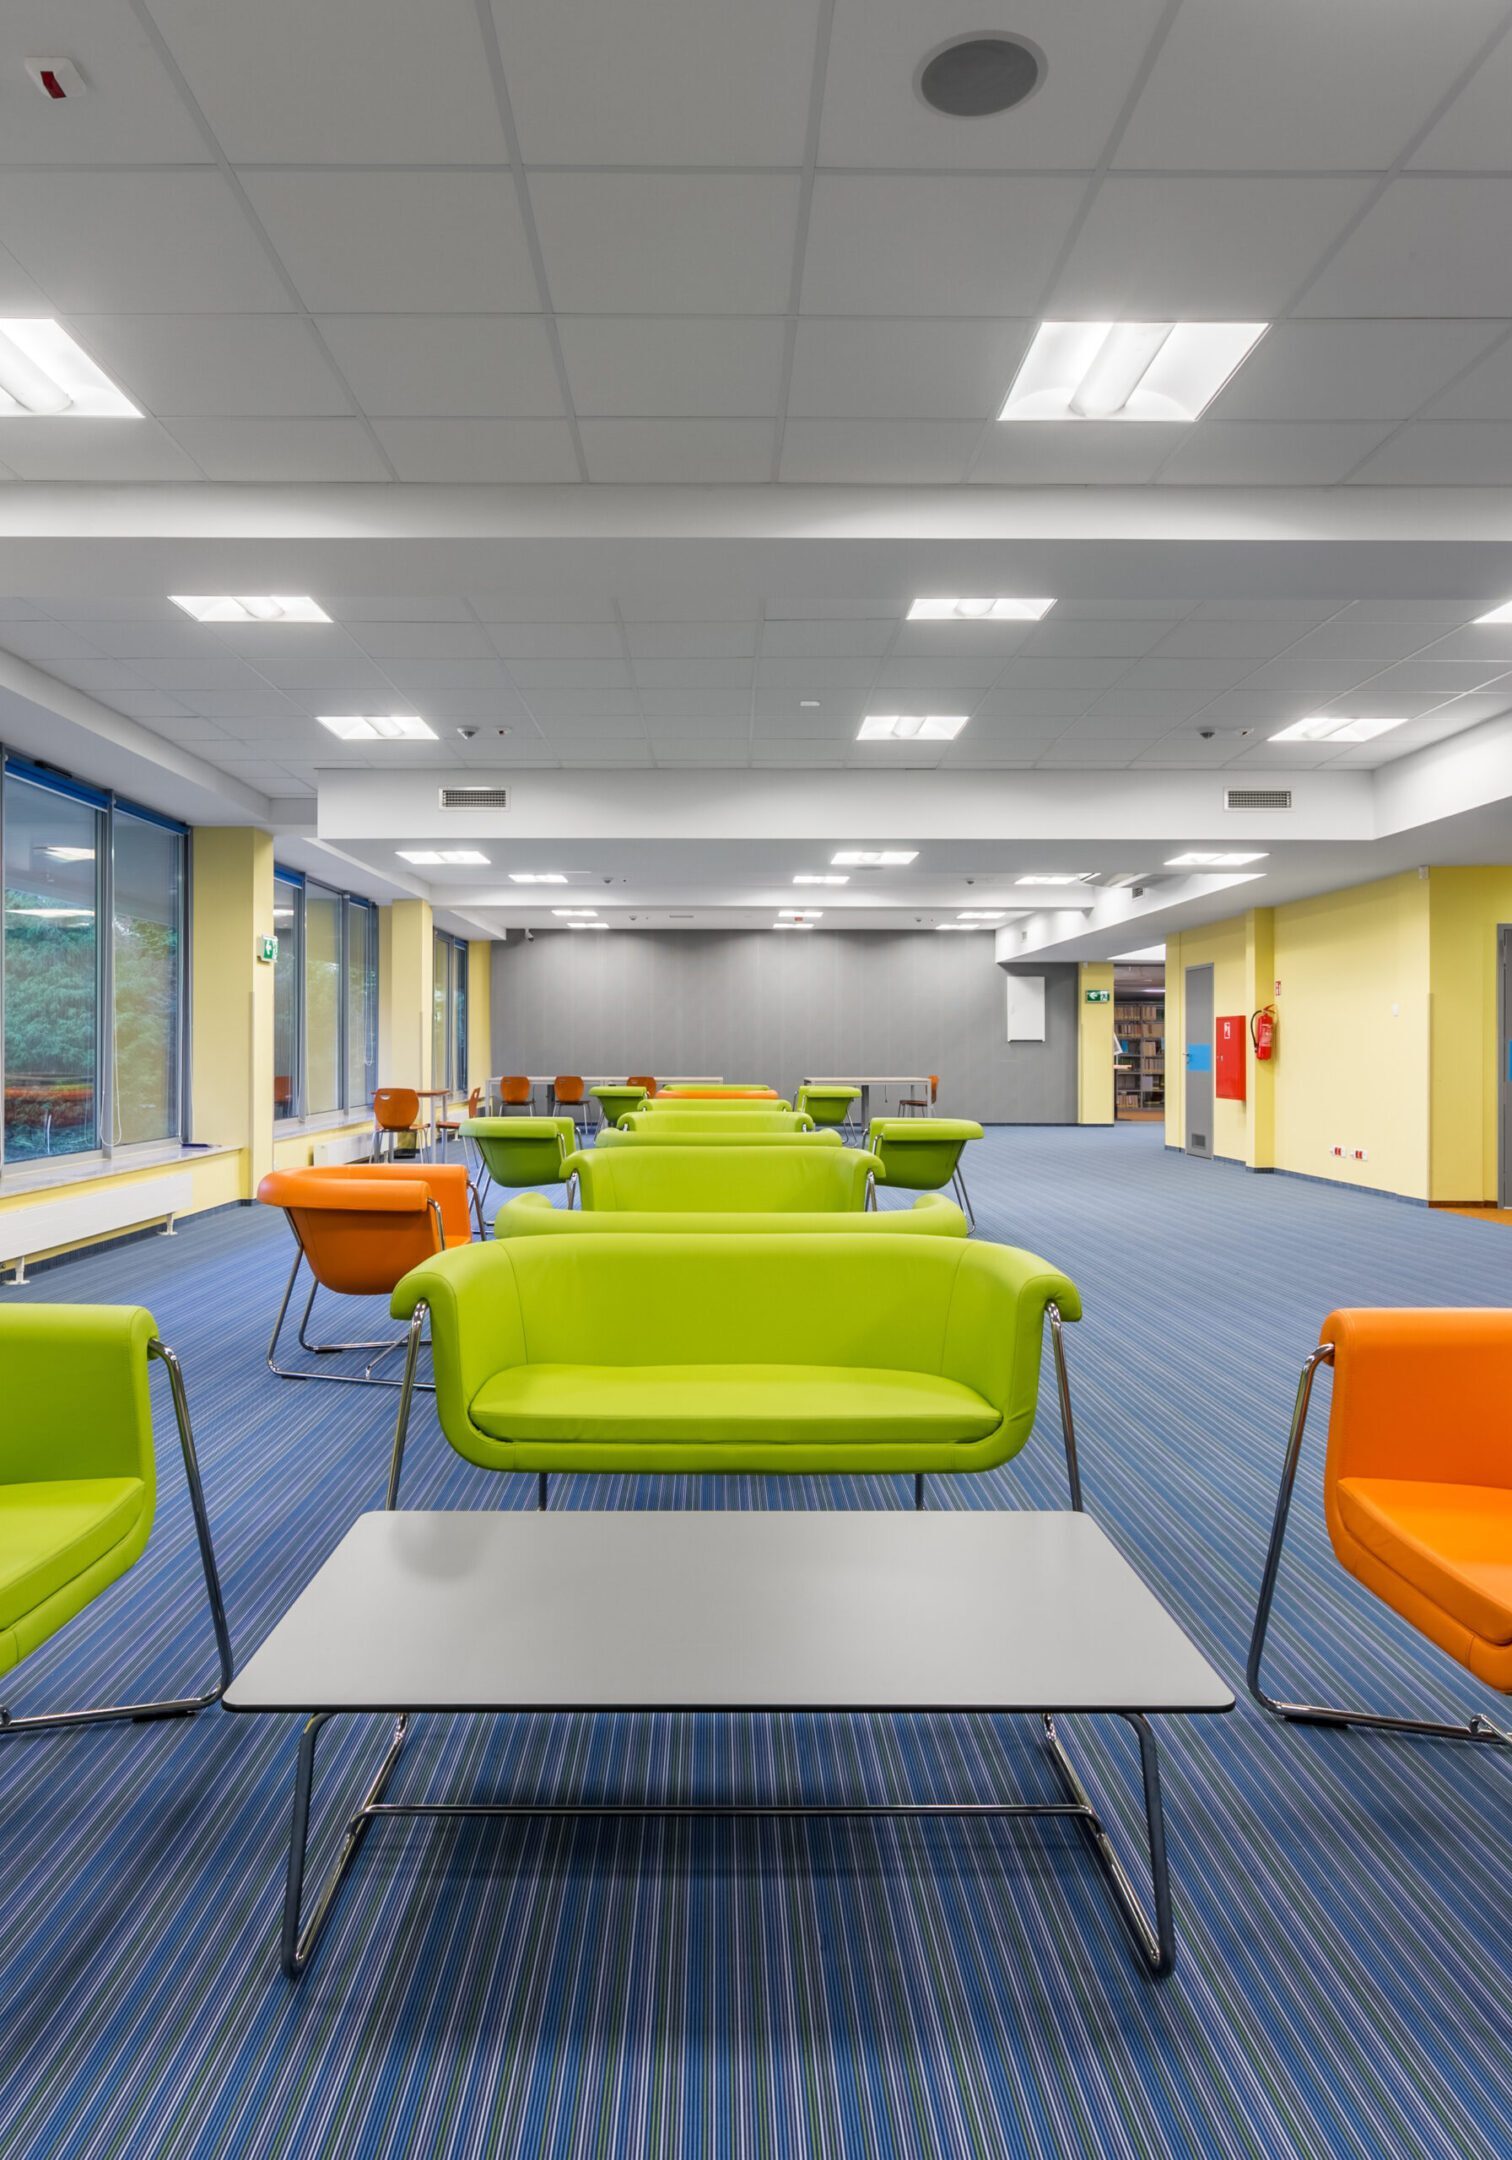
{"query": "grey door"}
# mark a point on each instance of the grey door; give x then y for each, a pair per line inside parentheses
(1198, 1010)
(1504, 1063)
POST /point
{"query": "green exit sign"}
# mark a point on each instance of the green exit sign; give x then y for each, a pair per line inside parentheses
(267, 950)
(1099, 997)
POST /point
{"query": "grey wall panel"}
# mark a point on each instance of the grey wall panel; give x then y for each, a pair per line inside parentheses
(761, 1005)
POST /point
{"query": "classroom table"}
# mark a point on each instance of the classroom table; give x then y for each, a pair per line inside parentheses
(959, 1613)
(603, 1079)
(915, 1084)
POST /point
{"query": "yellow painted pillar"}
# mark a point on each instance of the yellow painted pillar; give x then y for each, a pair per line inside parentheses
(479, 1012)
(231, 1043)
(1094, 1073)
(406, 957)
(1260, 1091)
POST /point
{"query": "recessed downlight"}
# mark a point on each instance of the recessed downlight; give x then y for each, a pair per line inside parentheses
(973, 77)
(250, 607)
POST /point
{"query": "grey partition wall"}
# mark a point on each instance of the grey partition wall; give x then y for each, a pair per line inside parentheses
(765, 1005)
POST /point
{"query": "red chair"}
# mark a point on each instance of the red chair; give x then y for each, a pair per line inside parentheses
(568, 1092)
(641, 1080)
(516, 1092)
(361, 1227)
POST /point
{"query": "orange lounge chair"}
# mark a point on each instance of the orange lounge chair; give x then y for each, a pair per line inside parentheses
(361, 1227)
(1417, 1492)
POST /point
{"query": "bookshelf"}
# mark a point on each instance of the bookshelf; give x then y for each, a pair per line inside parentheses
(1138, 1053)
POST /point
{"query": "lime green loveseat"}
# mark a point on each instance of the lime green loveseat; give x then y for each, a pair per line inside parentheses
(756, 1190)
(653, 1133)
(651, 1353)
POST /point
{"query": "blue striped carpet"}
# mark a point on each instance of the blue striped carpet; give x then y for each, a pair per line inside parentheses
(837, 1988)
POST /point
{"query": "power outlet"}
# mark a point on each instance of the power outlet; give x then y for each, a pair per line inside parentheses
(1362, 1154)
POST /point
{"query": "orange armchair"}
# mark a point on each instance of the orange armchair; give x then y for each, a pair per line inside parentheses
(360, 1228)
(1417, 1492)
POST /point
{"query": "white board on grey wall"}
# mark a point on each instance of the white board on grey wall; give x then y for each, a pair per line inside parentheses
(1026, 1008)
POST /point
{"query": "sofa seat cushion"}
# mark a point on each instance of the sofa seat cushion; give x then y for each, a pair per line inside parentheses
(51, 1532)
(1453, 1543)
(798, 1403)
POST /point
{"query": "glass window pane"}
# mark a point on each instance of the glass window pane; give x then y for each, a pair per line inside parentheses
(287, 905)
(322, 999)
(52, 973)
(147, 949)
(459, 971)
(441, 1008)
(362, 1003)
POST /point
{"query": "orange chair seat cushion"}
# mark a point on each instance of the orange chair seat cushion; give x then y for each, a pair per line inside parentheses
(364, 1226)
(1451, 1543)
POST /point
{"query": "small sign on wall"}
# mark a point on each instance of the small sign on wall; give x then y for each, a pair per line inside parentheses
(1099, 997)
(1026, 1008)
(267, 950)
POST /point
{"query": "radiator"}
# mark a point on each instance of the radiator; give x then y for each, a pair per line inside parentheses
(346, 1147)
(40, 1226)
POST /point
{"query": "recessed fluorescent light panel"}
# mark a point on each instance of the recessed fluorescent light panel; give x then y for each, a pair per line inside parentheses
(1057, 877)
(999, 610)
(876, 858)
(792, 926)
(1195, 859)
(963, 926)
(980, 914)
(1498, 614)
(536, 877)
(378, 727)
(807, 880)
(1329, 728)
(792, 914)
(250, 607)
(1126, 371)
(442, 855)
(911, 727)
(574, 911)
(43, 373)
(587, 926)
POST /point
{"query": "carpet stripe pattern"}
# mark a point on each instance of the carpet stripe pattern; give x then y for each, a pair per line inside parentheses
(835, 1987)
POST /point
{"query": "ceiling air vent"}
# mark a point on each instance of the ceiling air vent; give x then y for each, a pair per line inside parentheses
(475, 798)
(1257, 798)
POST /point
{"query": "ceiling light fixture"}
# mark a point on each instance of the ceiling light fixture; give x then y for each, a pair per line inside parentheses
(963, 926)
(70, 854)
(792, 926)
(378, 727)
(587, 926)
(1049, 877)
(1126, 371)
(443, 855)
(250, 607)
(1197, 859)
(574, 911)
(911, 727)
(1000, 610)
(808, 704)
(980, 914)
(536, 877)
(1502, 614)
(811, 879)
(45, 374)
(876, 858)
(1330, 728)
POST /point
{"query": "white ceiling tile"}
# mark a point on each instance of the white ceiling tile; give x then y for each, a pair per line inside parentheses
(667, 82)
(954, 640)
(923, 680)
(1059, 671)
(1084, 452)
(1090, 608)
(1138, 708)
(1253, 708)
(557, 641)
(873, 114)
(192, 365)
(481, 450)
(131, 114)
(1353, 637)
(693, 672)
(19, 294)
(656, 641)
(1106, 639)
(1427, 247)
(38, 449)
(1471, 642)
(1242, 608)
(805, 639)
(430, 640)
(390, 607)
(580, 674)
(1028, 708)
(1184, 671)
(584, 704)
(873, 450)
(903, 369)
(1214, 248)
(116, 242)
(890, 244)
(1271, 453)
(424, 677)
(256, 701)
(671, 450)
(644, 366)
(1472, 136)
(1430, 612)
(350, 82)
(1295, 87)
(462, 366)
(513, 607)
(400, 242)
(45, 642)
(1259, 639)
(97, 676)
(1320, 370)
(278, 449)
(152, 705)
(672, 709)
(213, 668)
(1316, 680)
(349, 673)
(1435, 453)
(667, 243)
(808, 673)
(1484, 394)
(1431, 681)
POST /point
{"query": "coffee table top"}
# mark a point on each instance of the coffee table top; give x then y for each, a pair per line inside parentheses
(785, 1610)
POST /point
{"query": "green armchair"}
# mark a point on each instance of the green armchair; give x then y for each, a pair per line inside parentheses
(522, 1150)
(828, 1103)
(614, 1101)
(78, 1483)
(648, 1353)
(924, 1154)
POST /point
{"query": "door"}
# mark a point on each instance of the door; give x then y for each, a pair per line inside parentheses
(1504, 1063)
(1198, 1011)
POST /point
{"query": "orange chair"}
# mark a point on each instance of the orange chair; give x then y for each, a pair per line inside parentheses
(1417, 1492)
(568, 1092)
(395, 1110)
(641, 1080)
(917, 1102)
(447, 1128)
(515, 1092)
(361, 1227)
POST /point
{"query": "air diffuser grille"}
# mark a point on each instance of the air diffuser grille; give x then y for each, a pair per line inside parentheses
(474, 798)
(1257, 798)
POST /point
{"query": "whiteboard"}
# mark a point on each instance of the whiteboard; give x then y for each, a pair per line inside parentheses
(1026, 1008)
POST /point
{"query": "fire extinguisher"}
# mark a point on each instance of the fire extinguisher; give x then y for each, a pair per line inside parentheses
(1263, 1033)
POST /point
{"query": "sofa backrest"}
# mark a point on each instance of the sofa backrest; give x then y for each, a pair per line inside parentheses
(675, 1135)
(767, 1180)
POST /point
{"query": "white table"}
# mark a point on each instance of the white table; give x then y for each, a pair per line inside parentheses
(545, 1080)
(486, 1612)
(900, 1084)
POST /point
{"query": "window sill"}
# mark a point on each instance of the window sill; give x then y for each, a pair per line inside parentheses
(294, 1128)
(50, 1171)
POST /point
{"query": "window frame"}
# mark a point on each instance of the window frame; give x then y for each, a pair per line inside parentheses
(454, 1033)
(349, 902)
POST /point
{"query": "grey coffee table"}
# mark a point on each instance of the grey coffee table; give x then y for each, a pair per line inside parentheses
(483, 1612)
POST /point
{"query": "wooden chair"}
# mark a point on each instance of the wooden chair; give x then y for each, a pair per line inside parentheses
(643, 1080)
(568, 1092)
(516, 1093)
(448, 1127)
(917, 1102)
(395, 1111)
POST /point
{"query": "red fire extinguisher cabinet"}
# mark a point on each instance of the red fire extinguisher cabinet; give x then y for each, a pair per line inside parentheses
(1231, 1034)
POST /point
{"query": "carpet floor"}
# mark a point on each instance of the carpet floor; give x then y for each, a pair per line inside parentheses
(804, 1990)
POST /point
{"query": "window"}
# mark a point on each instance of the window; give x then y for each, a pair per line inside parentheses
(92, 1025)
(325, 998)
(449, 1013)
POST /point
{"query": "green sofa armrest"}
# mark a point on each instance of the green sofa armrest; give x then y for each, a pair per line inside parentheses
(78, 1371)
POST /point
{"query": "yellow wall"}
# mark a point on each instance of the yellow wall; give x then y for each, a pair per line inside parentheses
(1094, 1035)
(1465, 908)
(296, 1151)
(406, 944)
(231, 1050)
(479, 1012)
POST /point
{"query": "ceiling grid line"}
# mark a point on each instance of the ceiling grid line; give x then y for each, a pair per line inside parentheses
(822, 32)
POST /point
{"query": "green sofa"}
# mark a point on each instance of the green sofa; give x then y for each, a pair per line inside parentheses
(673, 1134)
(716, 1119)
(648, 1353)
(756, 1190)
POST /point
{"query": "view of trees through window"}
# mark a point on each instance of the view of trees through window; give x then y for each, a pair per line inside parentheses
(52, 973)
(147, 904)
